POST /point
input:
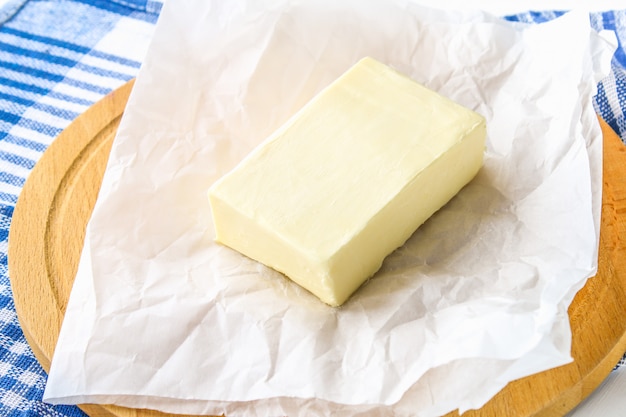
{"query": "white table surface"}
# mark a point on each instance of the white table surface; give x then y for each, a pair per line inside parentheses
(606, 401)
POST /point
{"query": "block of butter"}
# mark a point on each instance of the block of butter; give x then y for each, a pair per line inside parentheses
(348, 179)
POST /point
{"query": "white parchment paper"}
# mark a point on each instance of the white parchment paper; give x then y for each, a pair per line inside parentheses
(162, 317)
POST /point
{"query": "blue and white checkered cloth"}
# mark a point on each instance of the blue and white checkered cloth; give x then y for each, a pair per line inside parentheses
(58, 57)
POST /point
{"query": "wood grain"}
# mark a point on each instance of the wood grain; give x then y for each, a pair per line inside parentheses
(48, 230)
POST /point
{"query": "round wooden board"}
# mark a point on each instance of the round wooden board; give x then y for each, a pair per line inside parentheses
(48, 230)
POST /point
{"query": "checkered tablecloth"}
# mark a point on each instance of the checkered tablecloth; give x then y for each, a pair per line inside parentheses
(58, 57)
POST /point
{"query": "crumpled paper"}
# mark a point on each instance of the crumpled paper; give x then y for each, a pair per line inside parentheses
(162, 317)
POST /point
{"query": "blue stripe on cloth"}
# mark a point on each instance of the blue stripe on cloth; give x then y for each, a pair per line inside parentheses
(603, 107)
(154, 6)
(8, 178)
(26, 103)
(40, 127)
(55, 111)
(17, 100)
(45, 39)
(29, 53)
(128, 4)
(17, 160)
(10, 199)
(82, 50)
(34, 92)
(24, 143)
(620, 123)
(535, 16)
(129, 8)
(70, 99)
(30, 88)
(103, 72)
(29, 61)
(9, 117)
(45, 59)
(143, 5)
(18, 69)
(49, 76)
(115, 59)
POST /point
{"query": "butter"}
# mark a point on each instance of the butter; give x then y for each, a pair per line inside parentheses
(348, 179)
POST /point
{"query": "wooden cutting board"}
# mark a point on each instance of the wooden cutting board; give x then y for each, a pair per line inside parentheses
(48, 229)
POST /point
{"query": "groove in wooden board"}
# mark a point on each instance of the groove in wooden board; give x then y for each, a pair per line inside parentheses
(48, 229)
(74, 198)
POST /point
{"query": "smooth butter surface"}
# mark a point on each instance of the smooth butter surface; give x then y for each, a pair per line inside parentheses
(348, 179)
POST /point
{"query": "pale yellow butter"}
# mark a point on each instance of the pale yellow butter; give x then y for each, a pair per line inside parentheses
(348, 179)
